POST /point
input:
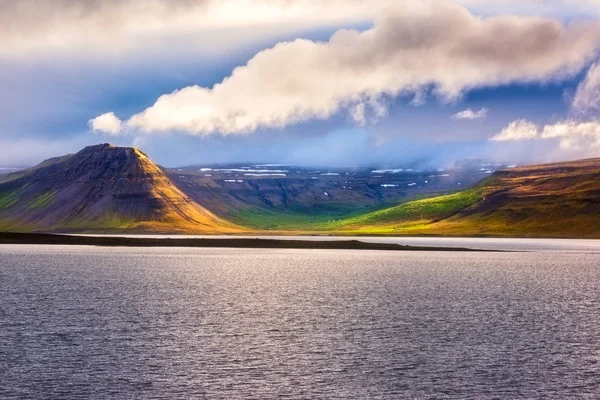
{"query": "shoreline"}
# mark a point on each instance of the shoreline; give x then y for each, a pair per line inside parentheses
(250, 243)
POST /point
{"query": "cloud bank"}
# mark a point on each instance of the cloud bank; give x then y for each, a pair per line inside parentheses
(30, 28)
(100, 28)
(412, 48)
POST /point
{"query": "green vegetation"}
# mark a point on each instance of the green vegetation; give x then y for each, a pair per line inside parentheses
(342, 217)
(431, 209)
(316, 217)
(8, 198)
(9, 226)
(110, 221)
(41, 201)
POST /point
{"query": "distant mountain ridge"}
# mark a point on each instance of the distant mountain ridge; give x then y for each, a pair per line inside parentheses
(235, 190)
(104, 188)
(111, 189)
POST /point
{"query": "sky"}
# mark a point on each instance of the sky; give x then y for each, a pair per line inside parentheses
(310, 82)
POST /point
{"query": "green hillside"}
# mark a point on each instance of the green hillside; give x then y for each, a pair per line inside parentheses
(553, 200)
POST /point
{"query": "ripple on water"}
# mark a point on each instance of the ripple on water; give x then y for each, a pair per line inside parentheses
(82, 322)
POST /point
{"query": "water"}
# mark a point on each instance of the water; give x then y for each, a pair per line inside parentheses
(85, 322)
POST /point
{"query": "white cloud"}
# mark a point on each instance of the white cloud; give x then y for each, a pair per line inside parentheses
(469, 114)
(107, 123)
(358, 114)
(565, 8)
(575, 139)
(412, 47)
(587, 97)
(105, 28)
(518, 130)
(577, 136)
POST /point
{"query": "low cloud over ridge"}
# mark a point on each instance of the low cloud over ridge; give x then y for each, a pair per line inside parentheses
(433, 46)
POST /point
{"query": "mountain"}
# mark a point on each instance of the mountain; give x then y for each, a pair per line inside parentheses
(104, 188)
(551, 200)
(271, 196)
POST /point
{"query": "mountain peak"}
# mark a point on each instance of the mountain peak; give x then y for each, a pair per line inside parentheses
(103, 187)
(107, 147)
(97, 147)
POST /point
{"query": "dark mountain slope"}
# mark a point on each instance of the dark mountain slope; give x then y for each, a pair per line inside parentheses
(20, 173)
(101, 187)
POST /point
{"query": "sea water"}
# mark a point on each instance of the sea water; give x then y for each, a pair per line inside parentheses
(174, 323)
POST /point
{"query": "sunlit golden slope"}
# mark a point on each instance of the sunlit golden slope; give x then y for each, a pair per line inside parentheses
(102, 188)
(552, 200)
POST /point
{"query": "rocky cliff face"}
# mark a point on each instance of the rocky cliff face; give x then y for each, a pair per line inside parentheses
(228, 189)
(101, 187)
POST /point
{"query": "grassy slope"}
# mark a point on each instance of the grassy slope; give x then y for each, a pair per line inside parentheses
(560, 200)
(344, 219)
(412, 213)
(298, 220)
(554, 200)
(8, 198)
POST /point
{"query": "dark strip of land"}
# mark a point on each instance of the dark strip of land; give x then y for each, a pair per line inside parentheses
(44, 238)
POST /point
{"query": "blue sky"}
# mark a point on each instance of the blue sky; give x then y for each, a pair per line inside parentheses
(282, 105)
